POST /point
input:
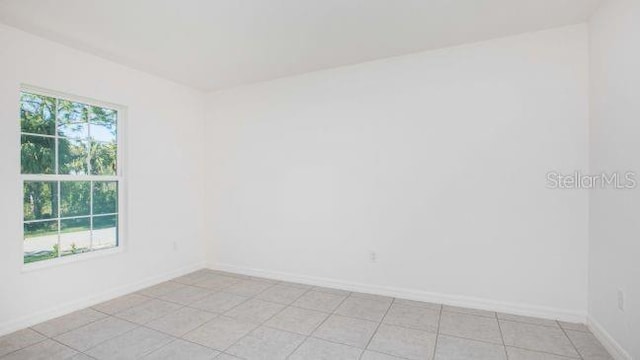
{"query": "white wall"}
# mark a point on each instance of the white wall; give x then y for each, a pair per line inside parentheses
(164, 155)
(614, 230)
(436, 161)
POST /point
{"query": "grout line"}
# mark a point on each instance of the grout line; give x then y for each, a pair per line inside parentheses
(299, 345)
(391, 355)
(435, 345)
(184, 306)
(393, 300)
(472, 339)
(174, 339)
(317, 326)
(504, 346)
(568, 338)
(109, 339)
(494, 314)
(67, 331)
(30, 345)
(545, 353)
(43, 334)
(264, 322)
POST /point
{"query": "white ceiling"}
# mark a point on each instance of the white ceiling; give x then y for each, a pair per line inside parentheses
(216, 44)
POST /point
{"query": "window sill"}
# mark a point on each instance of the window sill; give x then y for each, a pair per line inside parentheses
(45, 264)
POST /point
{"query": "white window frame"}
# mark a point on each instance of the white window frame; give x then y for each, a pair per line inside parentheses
(119, 178)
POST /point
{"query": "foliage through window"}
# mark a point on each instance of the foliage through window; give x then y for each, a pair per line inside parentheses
(71, 176)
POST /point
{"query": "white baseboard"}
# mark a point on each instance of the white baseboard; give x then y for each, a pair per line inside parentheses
(612, 346)
(412, 294)
(63, 309)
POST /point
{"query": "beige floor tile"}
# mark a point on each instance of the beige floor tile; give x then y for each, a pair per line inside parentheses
(320, 301)
(372, 355)
(186, 295)
(363, 308)
(297, 320)
(470, 327)
(402, 342)
(180, 349)
(255, 310)
(121, 303)
(528, 320)
(420, 304)
(318, 349)
(468, 311)
(453, 348)
(88, 336)
(68, 322)
(148, 311)
(161, 289)
(18, 340)
(522, 354)
(220, 333)
(45, 350)
(266, 344)
(331, 290)
(346, 330)
(218, 282)
(537, 338)
(130, 345)
(219, 302)
(281, 294)
(413, 317)
(588, 346)
(574, 326)
(385, 299)
(181, 322)
(248, 287)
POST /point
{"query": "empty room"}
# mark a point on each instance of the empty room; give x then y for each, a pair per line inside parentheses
(320, 179)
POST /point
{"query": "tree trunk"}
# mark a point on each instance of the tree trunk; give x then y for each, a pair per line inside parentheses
(54, 199)
(35, 196)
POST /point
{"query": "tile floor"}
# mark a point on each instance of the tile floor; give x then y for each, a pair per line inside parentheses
(215, 315)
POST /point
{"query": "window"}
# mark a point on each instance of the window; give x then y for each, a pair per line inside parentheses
(71, 175)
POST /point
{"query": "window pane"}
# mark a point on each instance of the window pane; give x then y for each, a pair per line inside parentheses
(72, 120)
(76, 130)
(37, 114)
(71, 112)
(103, 159)
(37, 155)
(105, 232)
(105, 197)
(74, 198)
(73, 156)
(40, 200)
(40, 241)
(103, 124)
(75, 236)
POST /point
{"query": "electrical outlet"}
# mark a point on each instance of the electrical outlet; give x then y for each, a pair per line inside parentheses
(373, 257)
(620, 300)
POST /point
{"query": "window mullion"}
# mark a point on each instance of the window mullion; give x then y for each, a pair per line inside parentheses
(51, 177)
(39, 135)
(57, 140)
(56, 171)
(67, 218)
(59, 220)
(88, 142)
(91, 217)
